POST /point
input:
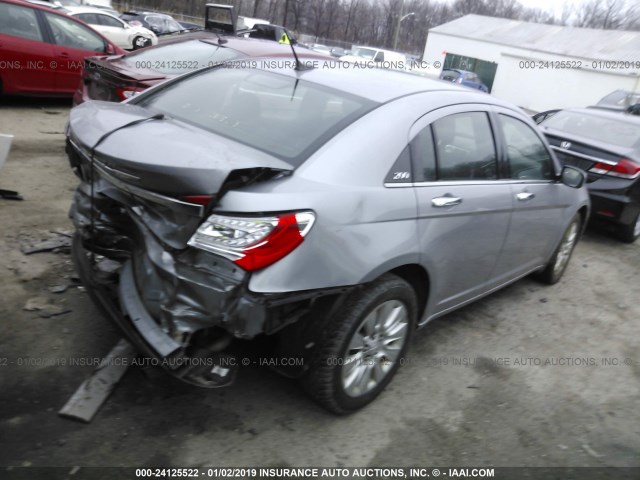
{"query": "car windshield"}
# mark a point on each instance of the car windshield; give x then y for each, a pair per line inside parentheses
(286, 117)
(367, 53)
(181, 57)
(602, 129)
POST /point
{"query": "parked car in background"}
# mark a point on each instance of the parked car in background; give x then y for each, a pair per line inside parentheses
(376, 56)
(339, 52)
(621, 101)
(607, 146)
(129, 37)
(249, 237)
(318, 47)
(159, 23)
(43, 50)
(117, 78)
(275, 33)
(465, 78)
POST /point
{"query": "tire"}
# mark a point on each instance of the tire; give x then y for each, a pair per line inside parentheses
(342, 375)
(554, 270)
(630, 233)
(140, 42)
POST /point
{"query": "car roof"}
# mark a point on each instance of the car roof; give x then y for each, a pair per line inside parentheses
(377, 84)
(608, 114)
(83, 9)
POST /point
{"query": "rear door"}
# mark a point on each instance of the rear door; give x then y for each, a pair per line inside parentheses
(536, 196)
(463, 207)
(26, 58)
(73, 43)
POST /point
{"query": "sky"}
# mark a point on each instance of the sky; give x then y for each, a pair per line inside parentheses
(554, 6)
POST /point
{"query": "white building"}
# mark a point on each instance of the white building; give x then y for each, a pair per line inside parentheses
(536, 66)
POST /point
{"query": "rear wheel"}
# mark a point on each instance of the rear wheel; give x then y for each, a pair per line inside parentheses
(630, 233)
(554, 270)
(141, 42)
(363, 346)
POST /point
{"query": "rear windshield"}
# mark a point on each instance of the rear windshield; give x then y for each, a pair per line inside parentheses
(286, 117)
(181, 57)
(602, 129)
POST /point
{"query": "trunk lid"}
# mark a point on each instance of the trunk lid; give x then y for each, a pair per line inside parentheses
(165, 156)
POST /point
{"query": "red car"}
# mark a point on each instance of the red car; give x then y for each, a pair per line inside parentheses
(116, 78)
(42, 51)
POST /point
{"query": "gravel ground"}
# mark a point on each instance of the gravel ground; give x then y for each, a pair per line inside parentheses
(530, 376)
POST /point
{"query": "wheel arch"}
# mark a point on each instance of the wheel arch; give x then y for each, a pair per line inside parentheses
(416, 276)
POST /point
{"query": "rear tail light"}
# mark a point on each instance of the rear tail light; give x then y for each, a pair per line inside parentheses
(128, 92)
(625, 168)
(253, 242)
(203, 200)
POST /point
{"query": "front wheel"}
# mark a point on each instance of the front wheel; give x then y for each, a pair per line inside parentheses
(362, 347)
(141, 42)
(554, 270)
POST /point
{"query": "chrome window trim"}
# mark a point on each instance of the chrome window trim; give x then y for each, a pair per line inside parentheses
(453, 183)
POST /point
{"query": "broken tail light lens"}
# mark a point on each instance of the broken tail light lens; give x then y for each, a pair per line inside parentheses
(625, 168)
(128, 92)
(253, 242)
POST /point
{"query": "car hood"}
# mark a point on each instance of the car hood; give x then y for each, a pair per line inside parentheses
(166, 156)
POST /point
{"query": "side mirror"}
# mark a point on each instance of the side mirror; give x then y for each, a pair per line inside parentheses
(572, 177)
(109, 50)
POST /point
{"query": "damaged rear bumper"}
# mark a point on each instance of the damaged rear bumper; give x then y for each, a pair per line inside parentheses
(181, 307)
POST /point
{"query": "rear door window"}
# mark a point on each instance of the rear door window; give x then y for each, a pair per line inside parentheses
(464, 146)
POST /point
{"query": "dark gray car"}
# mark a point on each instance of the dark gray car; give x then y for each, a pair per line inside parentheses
(606, 145)
(333, 210)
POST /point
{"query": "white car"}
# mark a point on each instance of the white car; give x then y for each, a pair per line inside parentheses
(121, 33)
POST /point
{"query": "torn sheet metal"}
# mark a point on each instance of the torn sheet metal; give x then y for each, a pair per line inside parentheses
(87, 400)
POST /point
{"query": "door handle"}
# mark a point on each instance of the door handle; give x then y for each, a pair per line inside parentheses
(63, 55)
(445, 201)
(524, 196)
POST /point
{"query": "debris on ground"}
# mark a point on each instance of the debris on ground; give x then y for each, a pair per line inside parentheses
(59, 288)
(44, 307)
(10, 195)
(93, 392)
(57, 241)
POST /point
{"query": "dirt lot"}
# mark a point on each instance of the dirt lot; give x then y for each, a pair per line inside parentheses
(531, 376)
